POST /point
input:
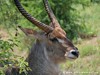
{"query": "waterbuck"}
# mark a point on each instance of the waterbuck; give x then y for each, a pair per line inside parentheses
(51, 47)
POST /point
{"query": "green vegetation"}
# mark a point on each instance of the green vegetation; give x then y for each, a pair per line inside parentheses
(70, 16)
(79, 18)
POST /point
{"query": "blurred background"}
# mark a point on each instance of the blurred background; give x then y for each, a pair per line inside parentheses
(79, 18)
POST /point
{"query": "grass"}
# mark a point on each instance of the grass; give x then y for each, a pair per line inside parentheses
(87, 50)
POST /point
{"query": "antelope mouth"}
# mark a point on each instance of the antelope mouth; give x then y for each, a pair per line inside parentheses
(73, 54)
(71, 57)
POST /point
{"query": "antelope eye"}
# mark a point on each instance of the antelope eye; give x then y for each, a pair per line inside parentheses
(54, 40)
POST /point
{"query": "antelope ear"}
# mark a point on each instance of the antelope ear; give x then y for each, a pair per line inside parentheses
(30, 32)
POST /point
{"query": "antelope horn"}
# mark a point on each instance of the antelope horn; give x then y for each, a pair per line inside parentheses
(51, 14)
(40, 25)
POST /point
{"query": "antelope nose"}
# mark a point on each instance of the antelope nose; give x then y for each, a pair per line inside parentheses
(75, 52)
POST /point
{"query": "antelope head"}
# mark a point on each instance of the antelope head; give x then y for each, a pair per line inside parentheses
(57, 45)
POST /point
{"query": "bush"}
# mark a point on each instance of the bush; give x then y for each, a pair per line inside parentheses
(9, 59)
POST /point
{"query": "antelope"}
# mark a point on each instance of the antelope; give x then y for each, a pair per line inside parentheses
(51, 48)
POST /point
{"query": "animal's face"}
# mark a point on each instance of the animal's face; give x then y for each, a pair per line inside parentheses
(60, 47)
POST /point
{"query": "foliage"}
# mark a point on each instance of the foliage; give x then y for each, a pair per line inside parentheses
(9, 59)
(95, 1)
(69, 16)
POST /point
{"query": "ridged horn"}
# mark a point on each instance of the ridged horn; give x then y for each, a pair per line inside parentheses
(51, 14)
(39, 24)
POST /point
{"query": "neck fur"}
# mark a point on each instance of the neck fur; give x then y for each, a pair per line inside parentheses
(39, 62)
